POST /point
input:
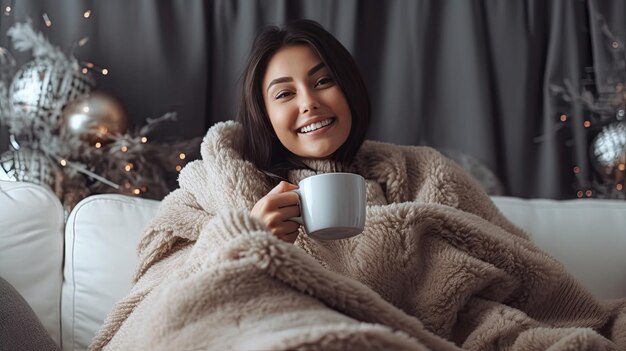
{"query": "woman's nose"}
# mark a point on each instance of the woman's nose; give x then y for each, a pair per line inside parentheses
(308, 102)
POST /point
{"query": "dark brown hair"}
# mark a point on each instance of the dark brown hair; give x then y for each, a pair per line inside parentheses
(259, 144)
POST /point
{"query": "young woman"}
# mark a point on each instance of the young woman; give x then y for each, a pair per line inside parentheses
(437, 266)
(294, 108)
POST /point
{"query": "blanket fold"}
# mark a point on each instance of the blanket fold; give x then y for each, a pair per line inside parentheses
(437, 268)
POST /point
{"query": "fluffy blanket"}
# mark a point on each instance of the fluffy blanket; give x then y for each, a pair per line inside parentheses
(437, 268)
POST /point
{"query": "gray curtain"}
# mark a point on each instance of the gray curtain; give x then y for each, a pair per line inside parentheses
(468, 76)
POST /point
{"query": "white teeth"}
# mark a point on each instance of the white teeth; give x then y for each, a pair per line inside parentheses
(314, 126)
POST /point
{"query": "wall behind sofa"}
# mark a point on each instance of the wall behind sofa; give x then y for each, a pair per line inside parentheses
(464, 76)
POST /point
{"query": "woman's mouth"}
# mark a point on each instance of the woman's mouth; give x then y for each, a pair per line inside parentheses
(316, 126)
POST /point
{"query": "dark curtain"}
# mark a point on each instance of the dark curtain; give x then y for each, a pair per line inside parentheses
(467, 76)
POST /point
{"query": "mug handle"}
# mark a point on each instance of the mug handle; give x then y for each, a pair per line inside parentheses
(298, 219)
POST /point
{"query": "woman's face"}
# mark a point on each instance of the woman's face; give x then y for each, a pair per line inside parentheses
(306, 107)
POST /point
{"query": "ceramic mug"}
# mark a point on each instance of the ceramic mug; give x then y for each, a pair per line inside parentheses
(332, 205)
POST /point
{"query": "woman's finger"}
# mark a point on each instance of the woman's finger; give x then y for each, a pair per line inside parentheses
(276, 201)
(289, 212)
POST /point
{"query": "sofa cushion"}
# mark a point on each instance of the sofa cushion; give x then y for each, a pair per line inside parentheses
(31, 248)
(100, 258)
(587, 235)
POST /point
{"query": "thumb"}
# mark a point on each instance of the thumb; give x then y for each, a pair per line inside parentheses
(282, 187)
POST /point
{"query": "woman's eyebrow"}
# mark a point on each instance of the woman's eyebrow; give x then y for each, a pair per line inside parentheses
(289, 79)
(317, 67)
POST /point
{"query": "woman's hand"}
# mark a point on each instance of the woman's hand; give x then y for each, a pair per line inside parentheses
(275, 209)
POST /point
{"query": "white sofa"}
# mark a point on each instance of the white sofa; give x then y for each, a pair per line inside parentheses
(72, 271)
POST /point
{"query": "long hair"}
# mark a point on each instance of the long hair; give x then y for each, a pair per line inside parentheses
(259, 144)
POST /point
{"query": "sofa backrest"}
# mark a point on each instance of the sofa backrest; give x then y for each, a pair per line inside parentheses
(31, 248)
(587, 235)
(101, 236)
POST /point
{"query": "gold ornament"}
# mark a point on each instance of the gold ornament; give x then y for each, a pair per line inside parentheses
(95, 118)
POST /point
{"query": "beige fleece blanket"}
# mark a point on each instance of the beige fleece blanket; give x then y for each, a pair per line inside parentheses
(437, 268)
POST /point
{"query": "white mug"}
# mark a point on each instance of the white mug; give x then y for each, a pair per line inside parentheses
(332, 205)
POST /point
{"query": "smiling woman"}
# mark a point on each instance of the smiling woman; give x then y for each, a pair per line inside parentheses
(307, 109)
(300, 76)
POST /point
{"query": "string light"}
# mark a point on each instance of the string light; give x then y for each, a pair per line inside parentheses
(85, 70)
(615, 45)
(621, 167)
(579, 194)
(619, 187)
(46, 20)
(98, 145)
(144, 140)
(144, 188)
(588, 193)
(587, 124)
(87, 13)
(178, 168)
(63, 162)
(86, 109)
(7, 10)
(576, 169)
(563, 118)
(129, 167)
(182, 156)
(136, 191)
(105, 71)
(124, 148)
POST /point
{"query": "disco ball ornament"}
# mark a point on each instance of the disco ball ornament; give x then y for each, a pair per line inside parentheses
(94, 117)
(26, 165)
(608, 152)
(43, 86)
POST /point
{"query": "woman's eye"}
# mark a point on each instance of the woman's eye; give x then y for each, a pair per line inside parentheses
(323, 81)
(282, 95)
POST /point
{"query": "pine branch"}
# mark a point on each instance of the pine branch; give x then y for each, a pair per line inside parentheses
(25, 38)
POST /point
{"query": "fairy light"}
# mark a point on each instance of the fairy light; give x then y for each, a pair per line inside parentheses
(98, 145)
(619, 187)
(144, 189)
(615, 45)
(563, 118)
(124, 148)
(105, 71)
(46, 20)
(178, 168)
(144, 140)
(89, 65)
(621, 167)
(63, 162)
(86, 109)
(7, 10)
(579, 194)
(588, 193)
(85, 70)
(129, 167)
(87, 13)
(587, 124)
(576, 169)
(136, 191)
(182, 156)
